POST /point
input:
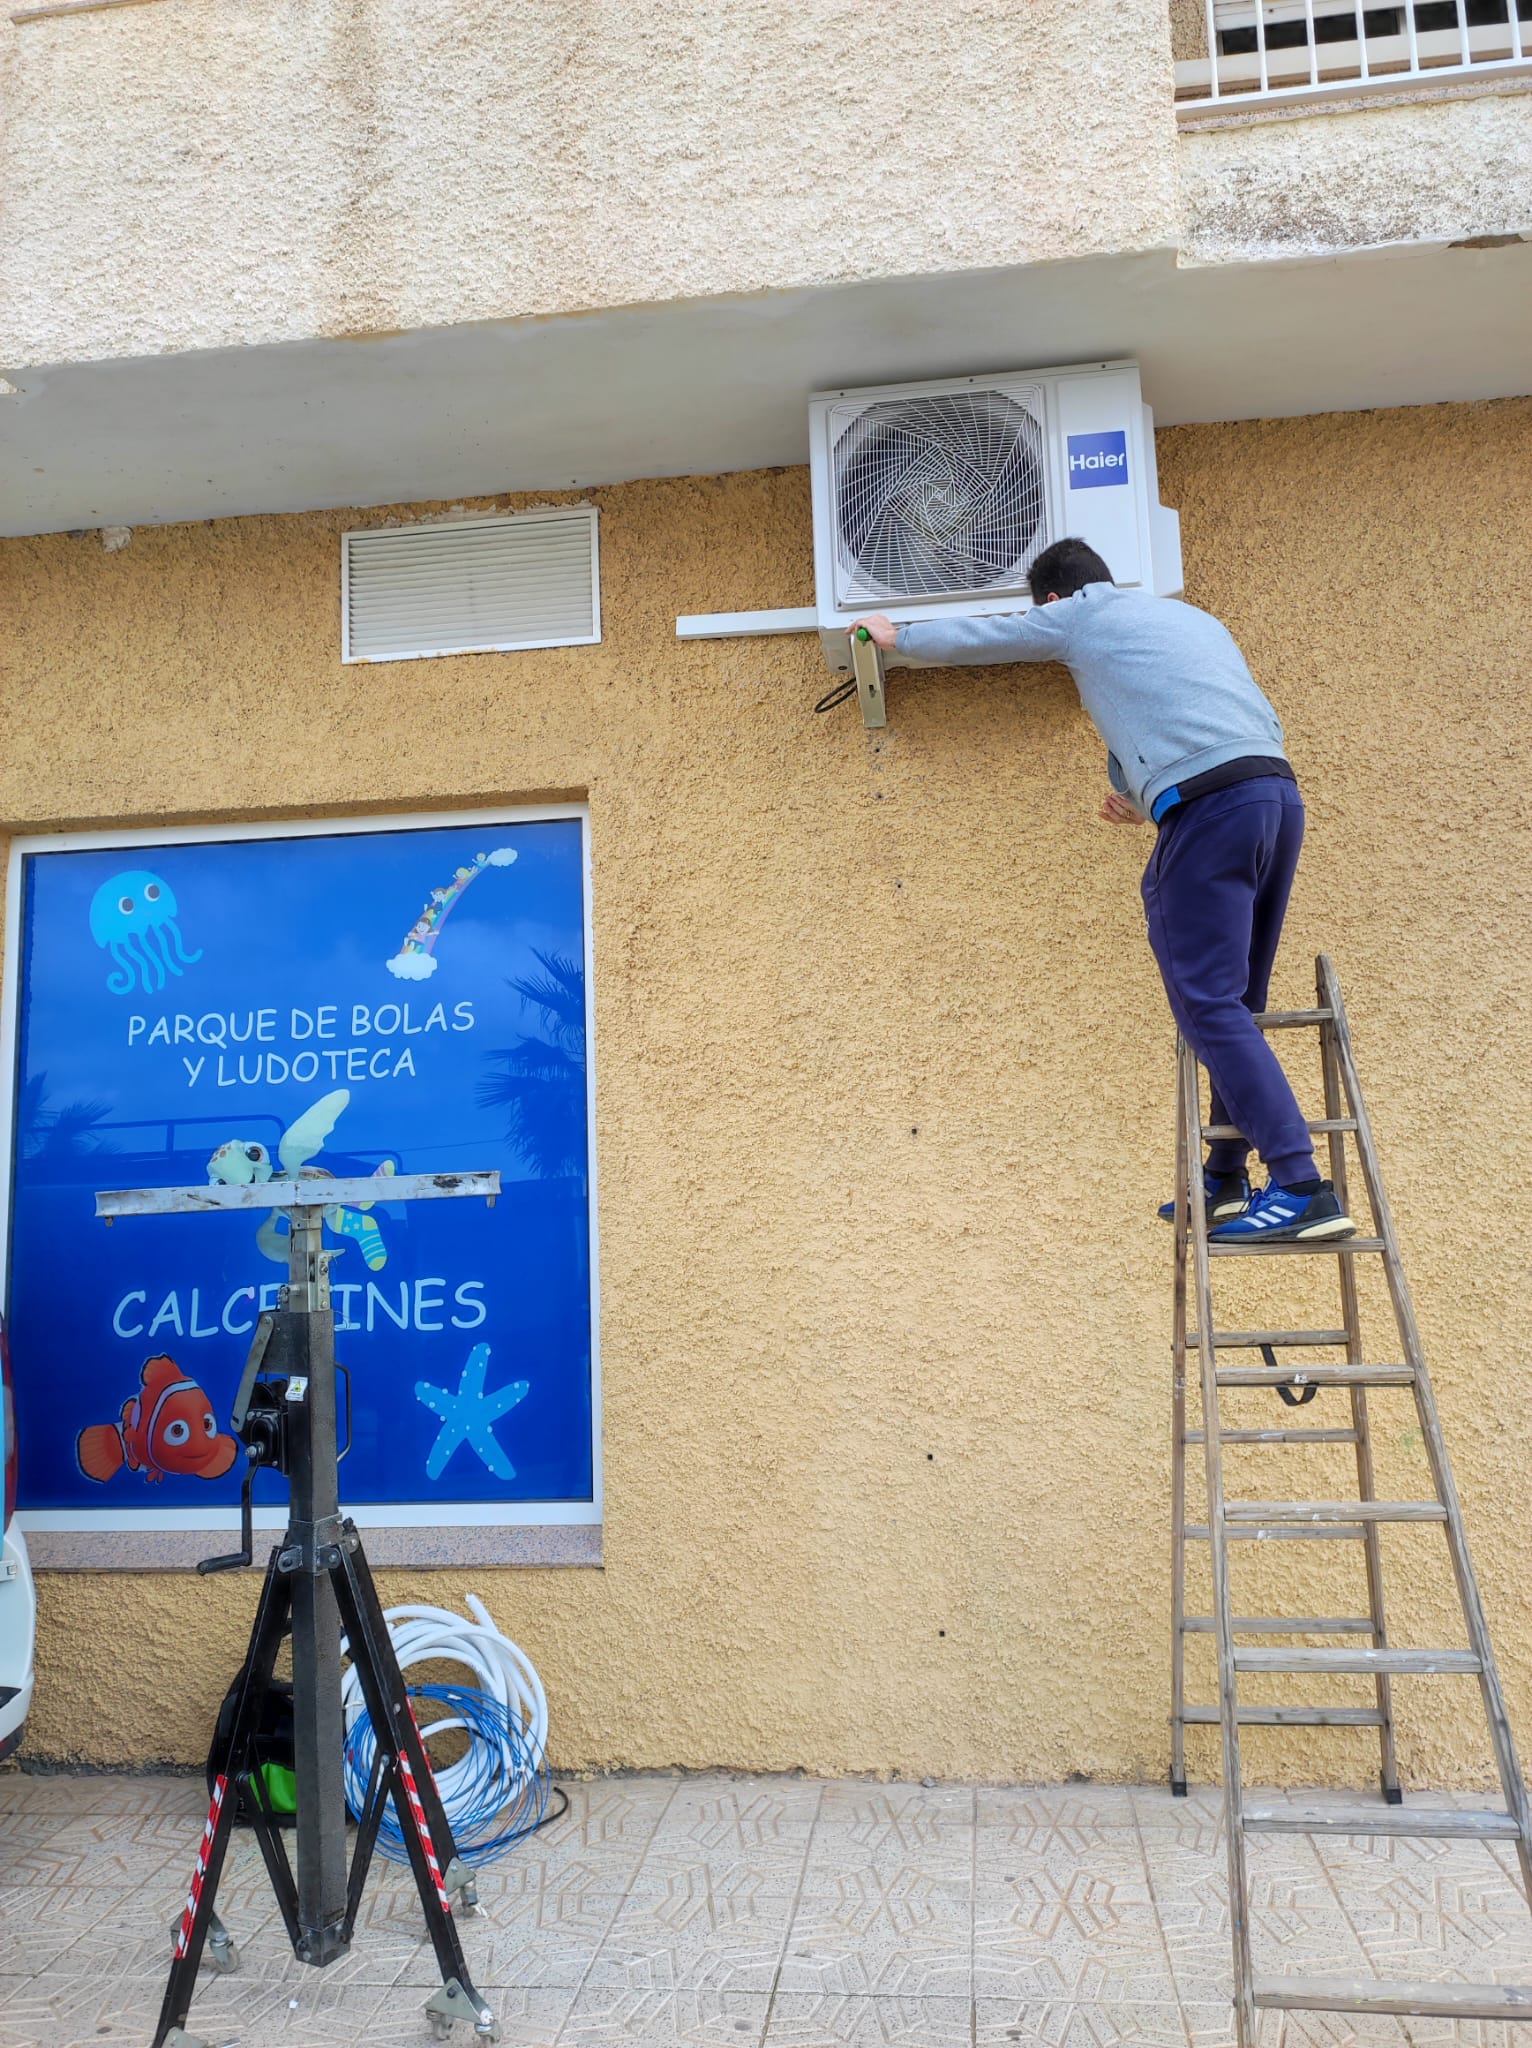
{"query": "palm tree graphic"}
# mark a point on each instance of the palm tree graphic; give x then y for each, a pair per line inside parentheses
(540, 1080)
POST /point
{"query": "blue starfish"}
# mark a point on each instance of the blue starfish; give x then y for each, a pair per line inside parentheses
(466, 1416)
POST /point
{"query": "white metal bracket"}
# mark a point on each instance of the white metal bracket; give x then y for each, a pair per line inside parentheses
(867, 667)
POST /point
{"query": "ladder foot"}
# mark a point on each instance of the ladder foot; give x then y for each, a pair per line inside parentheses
(1393, 1794)
(1178, 1788)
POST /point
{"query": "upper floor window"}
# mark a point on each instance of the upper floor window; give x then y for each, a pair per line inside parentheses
(1236, 54)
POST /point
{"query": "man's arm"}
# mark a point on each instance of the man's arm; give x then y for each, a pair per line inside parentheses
(953, 643)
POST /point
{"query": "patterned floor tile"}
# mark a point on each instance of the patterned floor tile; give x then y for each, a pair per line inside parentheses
(1072, 1941)
(1428, 1945)
(1057, 2023)
(60, 1792)
(1422, 1876)
(1284, 1944)
(63, 2010)
(1068, 1971)
(104, 1862)
(512, 1963)
(743, 1813)
(810, 2020)
(1212, 2026)
(1429, 2033)
(1283, 1873)
(691, 1936)
(1157, 1810)
(671, 1871)
(715, 1909)
(526, 2019)
(699, 2018)
(928, 1826)
(882, 1933)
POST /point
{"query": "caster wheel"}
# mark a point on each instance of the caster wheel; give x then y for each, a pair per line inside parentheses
(441, 2027)
(223, 1957)
(489, 2033)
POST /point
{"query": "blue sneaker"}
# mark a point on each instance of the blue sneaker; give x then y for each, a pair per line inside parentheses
(1226, 1195)
(1281, 1216)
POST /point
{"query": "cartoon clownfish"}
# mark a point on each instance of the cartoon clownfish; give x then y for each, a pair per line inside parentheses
(168, 1427)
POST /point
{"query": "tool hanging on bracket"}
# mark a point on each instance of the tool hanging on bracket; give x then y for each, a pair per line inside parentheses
(866, 681)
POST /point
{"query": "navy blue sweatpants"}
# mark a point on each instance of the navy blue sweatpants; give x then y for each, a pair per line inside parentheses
(1215, 893)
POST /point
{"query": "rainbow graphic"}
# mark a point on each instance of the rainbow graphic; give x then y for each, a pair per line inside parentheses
(414, 961)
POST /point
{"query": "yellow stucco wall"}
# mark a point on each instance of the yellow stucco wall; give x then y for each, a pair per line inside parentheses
(884, 1094)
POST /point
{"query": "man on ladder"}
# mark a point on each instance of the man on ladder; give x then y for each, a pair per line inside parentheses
(1195, 746)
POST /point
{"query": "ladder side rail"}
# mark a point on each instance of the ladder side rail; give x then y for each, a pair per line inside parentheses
(1512, 1783)
(1223, 1611)
(1178, 1434)
(1365, 1476)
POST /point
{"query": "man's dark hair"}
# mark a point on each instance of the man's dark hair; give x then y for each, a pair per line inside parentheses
(1065, 568)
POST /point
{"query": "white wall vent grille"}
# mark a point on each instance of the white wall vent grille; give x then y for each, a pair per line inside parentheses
(473, 586)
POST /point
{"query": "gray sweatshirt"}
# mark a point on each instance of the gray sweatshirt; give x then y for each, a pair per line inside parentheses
(1165, 684)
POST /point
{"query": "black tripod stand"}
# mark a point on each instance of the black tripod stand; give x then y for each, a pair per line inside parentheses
(318, 1585)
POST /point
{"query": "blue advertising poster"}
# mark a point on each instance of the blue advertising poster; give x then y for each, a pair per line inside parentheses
(360, 1003)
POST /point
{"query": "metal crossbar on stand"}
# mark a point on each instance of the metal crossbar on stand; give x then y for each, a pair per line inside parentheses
(318, 1587)
(1355, 1520)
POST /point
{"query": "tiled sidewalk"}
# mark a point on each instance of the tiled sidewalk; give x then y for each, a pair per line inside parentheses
(787, 1912)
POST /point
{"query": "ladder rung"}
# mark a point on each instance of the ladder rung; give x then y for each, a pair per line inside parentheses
(1291, 1020)
(1275, 1436)
(1274, 1625)
(1370, 1662)
(1335, 1511)
(1281, 1532)
(1280, 1340)
(1240, 1248)
(1316, 1376)
(1291, 1717)
(1429, 1822)
(1377, 1994)
(1317, 1125)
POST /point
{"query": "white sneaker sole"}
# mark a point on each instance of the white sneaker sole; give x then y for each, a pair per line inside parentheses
(1314, 1233)
(1333, 1226)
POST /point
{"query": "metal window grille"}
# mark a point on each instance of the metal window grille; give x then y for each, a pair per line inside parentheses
(471, 586)
(1292, 52)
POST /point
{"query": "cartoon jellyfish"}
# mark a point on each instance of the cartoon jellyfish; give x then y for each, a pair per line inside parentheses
(134, 914)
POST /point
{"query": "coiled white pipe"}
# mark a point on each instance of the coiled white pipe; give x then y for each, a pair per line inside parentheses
(498, 1667)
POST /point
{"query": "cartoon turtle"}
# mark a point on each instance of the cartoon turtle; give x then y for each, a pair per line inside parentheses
(244, 1162)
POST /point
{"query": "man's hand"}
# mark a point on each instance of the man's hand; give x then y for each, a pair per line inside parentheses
(1116, 810)
(882, 632)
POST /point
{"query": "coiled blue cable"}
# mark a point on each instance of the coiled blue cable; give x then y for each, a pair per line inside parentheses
(496, 1793)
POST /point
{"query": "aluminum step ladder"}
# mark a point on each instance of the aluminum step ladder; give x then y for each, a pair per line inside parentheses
(1364, 1645)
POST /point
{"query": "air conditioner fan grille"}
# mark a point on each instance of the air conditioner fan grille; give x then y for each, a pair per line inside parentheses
(939, 495)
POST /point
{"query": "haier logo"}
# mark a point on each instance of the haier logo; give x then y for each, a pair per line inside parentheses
(1096, 459)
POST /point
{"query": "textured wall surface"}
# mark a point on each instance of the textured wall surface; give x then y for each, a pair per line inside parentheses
(363, 166)
(1434, 171)
(885, 1097)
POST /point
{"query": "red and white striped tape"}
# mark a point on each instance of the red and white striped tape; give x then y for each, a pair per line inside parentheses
(421, 1828)
(199, 1874)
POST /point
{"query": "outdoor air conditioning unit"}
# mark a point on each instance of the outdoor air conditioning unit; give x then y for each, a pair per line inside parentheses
(933, 499)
